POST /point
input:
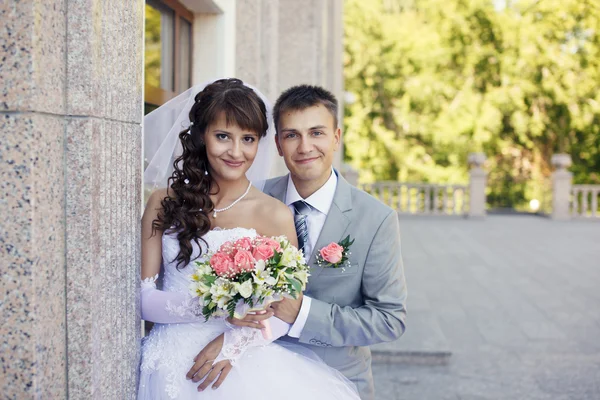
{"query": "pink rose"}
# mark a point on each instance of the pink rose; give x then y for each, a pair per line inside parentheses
(222, 264)
(226, 248)
(274, 244)
(243, 243)
(244, 261)
(332, 253)
(263, 252)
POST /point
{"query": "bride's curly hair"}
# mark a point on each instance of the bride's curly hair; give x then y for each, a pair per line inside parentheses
(187, 205)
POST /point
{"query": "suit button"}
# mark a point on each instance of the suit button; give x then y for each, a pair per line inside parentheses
(313, 341)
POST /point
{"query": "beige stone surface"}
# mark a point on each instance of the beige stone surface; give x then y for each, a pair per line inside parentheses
(103, 209)
(70, 168)
(282, 43)
(32, 53)
(32, 248)
(248, 46)
(104, 40)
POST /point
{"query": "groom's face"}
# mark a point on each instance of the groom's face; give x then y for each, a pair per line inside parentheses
(307, 140)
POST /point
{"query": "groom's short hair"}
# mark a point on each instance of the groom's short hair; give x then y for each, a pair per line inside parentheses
(300, 97)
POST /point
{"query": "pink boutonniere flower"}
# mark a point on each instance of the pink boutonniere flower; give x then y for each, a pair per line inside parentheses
(335, 255)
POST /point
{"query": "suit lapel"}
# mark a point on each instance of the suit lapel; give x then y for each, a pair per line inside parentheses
(336, 223)
(278, 189)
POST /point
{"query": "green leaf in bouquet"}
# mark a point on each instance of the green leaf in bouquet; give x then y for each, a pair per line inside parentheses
(207, 312)
(296, 284)
(209, 279)
(231, 308)
(276, 259)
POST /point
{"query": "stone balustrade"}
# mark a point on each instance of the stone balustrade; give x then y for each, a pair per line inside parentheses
(584, 201)
(421, 198)
(436, 199)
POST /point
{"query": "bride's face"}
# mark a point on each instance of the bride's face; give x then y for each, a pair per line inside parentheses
(230, 149)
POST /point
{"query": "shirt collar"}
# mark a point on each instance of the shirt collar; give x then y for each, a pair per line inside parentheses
(320, 200)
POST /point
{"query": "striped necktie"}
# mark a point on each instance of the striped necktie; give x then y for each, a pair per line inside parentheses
(301, 210)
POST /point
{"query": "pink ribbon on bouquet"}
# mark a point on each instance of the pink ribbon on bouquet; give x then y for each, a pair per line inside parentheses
(266, 330)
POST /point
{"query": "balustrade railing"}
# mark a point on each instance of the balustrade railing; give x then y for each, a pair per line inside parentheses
(584, 201)
(421, 198)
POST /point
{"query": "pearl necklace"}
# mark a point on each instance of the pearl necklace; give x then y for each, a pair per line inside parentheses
(219, 210)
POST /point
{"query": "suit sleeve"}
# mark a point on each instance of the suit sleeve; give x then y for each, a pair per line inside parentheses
(382, 317)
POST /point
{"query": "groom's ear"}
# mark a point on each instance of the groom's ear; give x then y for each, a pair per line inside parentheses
(277, 144)
(337, 136)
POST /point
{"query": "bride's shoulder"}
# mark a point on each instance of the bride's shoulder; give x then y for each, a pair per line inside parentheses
(271, 217)
(156, 198)
(269, 208)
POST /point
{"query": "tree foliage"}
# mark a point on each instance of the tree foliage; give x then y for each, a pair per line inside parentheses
(434, 80)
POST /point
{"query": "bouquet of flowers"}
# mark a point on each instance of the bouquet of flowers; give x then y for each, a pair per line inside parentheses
(248, 274)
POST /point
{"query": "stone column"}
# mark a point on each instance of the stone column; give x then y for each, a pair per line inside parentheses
(561, 187)
(350, 174)
(477, 184)
(70, 170)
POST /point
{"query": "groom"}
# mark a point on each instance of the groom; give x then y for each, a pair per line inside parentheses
(343, 310)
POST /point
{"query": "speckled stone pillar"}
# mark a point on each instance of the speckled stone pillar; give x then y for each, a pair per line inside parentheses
(70, 171)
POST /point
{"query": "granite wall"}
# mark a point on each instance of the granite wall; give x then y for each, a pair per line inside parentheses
(70, 172)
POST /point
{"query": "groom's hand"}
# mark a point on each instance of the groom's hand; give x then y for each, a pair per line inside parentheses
(287, 309)
(203, 366)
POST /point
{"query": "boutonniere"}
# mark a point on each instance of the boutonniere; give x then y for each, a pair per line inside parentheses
(335, 255)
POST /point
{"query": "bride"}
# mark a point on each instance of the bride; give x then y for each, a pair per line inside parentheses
(209, 201)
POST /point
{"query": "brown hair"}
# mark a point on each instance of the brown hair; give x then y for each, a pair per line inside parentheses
(185, 210)
(303, 96)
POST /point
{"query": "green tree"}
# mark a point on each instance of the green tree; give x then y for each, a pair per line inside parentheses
(437, 79)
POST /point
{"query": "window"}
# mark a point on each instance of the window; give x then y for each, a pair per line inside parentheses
(167, 58)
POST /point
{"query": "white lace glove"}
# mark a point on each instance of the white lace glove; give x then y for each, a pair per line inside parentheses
(237, 340)
(175, 307)
(168, 307)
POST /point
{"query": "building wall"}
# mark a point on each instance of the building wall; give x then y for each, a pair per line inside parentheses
(282, 43)
(70, 170)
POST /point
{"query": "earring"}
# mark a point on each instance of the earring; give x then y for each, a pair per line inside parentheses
(205, 172)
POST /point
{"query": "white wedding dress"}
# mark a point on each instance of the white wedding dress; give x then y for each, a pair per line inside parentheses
(261, 370)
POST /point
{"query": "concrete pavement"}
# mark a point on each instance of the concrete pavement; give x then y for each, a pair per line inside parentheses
(506, 307)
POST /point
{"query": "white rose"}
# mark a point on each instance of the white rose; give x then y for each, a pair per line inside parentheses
(222, 301)
(206, 269)
(288, 256)
(270, 280)
(302, 276)
(259, 266)
(244, 289)
(199, 288)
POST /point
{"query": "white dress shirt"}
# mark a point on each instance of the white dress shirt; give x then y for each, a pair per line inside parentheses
(320, 203)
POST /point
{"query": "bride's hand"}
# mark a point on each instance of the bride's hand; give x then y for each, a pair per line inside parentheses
(203, 366)
(252, 320)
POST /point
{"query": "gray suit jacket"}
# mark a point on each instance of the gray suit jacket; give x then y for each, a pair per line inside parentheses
(363, 305)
